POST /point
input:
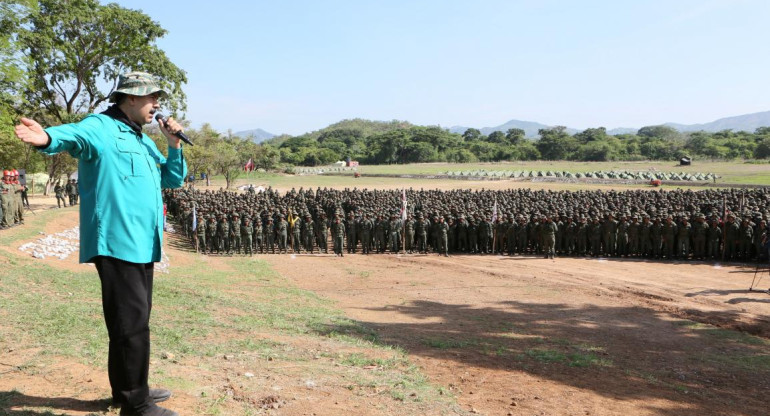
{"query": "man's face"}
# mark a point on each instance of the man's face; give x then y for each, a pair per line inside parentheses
(141, 109)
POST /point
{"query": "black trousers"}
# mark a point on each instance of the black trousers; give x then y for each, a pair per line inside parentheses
(127, 301)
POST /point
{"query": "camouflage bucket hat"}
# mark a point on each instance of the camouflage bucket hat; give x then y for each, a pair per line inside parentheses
(137, 83)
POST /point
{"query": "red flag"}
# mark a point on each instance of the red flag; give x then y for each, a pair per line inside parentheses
(249, 166)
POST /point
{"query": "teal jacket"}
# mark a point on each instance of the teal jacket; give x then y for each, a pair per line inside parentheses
(120, 174)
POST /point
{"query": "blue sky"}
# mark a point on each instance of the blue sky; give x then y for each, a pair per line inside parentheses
(297, 66)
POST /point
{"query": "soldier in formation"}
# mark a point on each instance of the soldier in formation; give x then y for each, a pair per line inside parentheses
(726, 224)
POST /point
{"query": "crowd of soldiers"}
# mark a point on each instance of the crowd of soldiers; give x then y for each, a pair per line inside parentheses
(724, 224)
(67, 192)
(13, 198)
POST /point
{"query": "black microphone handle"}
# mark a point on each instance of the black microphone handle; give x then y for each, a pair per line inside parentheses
(183, 137)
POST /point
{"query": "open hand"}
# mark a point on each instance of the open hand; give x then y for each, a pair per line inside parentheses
(31, 132)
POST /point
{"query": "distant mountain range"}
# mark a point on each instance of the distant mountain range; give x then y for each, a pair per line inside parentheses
(258, 135)
(746, 122)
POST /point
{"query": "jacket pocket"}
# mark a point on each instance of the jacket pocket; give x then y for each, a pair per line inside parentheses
(129, 158)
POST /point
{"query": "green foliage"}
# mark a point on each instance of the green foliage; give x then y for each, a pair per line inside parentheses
(399, 144)
(60, 60)
(76, 49)
(555, 143)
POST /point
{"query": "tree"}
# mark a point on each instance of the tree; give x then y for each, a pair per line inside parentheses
(592, 135)
(496, 137)
(76, 50)
(230, 155)
(555, 143)
(200, 158)
(762, 151)
(515, 136)
(471, 135)
(266, 156)
(73, 52)
(658, 132)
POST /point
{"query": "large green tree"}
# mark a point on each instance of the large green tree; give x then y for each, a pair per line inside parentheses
(71, 52)
(556, 144)
(77, 48)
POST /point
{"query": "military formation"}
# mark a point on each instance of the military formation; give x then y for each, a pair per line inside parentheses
(12, 196)
(724, 224)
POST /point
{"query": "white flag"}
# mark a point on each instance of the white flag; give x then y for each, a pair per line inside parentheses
(494, 211)
(195, 219)
(403, 204)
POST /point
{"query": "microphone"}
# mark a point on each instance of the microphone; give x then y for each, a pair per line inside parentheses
(182, 136)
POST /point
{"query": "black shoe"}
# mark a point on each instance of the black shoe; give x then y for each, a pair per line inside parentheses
(153, 410)
(156, 395)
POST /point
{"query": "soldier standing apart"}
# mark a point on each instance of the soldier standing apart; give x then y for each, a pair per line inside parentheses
(121, 221)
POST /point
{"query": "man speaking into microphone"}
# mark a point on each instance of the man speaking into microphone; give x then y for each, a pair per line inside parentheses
(121, 173)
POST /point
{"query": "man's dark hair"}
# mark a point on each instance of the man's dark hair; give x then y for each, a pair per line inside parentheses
(119, 98)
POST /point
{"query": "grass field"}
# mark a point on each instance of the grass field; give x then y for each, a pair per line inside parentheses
(729, 172)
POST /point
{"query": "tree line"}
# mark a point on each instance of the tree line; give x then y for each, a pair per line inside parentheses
(405, 143)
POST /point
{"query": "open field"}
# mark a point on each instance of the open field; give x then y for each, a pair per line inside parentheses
(730, 172)
(392, 335)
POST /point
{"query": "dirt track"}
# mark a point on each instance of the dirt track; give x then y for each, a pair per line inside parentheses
(494, 329)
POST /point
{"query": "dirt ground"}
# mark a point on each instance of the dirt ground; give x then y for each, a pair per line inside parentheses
(471, 322)
(510, 335)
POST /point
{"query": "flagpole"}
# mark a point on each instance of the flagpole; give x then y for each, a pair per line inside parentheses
(403, 221)
(494, 228)
(724, 225)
